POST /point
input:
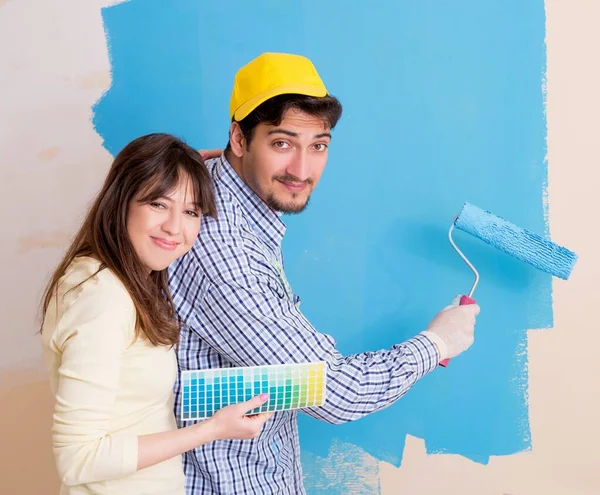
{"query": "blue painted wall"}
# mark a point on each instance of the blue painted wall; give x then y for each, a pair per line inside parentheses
(443, 104)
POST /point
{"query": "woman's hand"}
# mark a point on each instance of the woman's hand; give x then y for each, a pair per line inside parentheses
(229, 422)
(208, 154)
(232, 421)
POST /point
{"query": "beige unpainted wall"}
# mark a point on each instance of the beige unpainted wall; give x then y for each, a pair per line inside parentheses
(54, 67)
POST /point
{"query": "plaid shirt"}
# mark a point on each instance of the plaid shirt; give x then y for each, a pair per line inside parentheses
(238, 310)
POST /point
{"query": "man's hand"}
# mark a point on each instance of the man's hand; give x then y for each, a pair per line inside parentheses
(452, 330)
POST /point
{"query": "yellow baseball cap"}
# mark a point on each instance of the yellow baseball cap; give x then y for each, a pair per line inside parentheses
(269, 75)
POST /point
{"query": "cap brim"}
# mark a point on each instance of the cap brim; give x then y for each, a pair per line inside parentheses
(300, 89)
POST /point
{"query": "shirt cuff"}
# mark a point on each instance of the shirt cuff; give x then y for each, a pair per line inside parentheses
(438, 342)
(425, 353)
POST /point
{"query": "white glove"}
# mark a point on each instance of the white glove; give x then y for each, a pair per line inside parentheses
(452, 330)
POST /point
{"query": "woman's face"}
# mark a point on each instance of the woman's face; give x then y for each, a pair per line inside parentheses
(166, 228)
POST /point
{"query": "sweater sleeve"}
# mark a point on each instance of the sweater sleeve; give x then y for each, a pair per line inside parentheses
(92, 337)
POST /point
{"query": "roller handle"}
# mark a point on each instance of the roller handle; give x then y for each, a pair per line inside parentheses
(464, 300)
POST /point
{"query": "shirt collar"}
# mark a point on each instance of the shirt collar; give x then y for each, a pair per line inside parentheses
(263, 220)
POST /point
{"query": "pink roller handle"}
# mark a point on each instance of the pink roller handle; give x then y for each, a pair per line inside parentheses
(464, 300)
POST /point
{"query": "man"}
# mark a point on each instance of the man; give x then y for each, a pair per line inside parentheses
(233, 298)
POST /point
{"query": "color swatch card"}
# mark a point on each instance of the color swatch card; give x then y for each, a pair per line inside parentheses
(290, 386)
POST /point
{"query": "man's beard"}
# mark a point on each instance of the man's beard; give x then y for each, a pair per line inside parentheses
(291, 207)
(286, 207)
(269, 198)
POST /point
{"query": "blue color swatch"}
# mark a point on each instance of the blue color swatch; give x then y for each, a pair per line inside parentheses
(290, 386)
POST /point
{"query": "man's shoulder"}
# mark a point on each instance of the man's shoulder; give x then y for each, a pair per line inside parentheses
(227, 246)
(229, 209)
(221, 244)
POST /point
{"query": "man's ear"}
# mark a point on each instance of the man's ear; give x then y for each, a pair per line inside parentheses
(237, 141)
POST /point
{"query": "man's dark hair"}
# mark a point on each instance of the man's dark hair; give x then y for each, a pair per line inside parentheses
(271, 112)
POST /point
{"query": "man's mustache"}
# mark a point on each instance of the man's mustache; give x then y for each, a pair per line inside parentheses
(290, 179)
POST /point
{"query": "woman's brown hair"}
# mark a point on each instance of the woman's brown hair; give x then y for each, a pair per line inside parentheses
(147, 168)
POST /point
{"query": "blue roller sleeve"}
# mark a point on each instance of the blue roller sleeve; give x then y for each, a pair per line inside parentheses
(515, 241)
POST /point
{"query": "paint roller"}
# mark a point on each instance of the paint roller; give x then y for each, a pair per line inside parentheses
(515, 241)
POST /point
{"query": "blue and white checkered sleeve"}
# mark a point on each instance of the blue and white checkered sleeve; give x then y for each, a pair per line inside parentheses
(246, 320)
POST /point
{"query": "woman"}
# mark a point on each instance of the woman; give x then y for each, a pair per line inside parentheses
(109, 329)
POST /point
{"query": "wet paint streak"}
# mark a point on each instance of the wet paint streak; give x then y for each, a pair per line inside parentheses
(346, 470)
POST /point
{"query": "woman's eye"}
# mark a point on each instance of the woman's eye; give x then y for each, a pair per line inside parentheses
(155, 204)
(193, 213)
